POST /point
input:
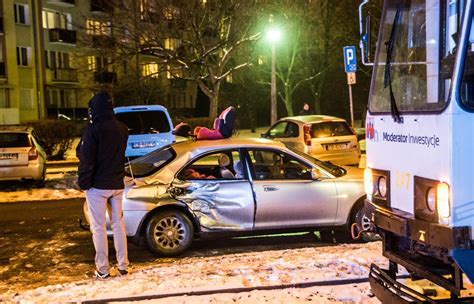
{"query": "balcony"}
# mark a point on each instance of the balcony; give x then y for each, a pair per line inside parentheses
(64, 75)
(57, 35)
(178, 83)
(105, 77)
(3, 70)
(101, 6)
(103, 42)
(62, 3)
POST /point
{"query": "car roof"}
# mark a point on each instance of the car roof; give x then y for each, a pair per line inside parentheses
(235, 142)
(16, 129)
(313, 118)
(139, 108)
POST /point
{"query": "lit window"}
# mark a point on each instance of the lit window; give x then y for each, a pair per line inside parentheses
(96, 27)
(170, 13)
(150, 70)
(171, 44)
(229, 78)
(91, 63)
(53, 19)
(261, 60)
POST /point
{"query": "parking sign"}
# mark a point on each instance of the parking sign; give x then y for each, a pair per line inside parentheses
(350, 61)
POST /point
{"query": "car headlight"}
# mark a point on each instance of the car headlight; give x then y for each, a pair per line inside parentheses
(442, 197)
(368, 181)
(382, 186)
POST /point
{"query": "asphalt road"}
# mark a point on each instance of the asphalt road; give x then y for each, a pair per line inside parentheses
(41, 244)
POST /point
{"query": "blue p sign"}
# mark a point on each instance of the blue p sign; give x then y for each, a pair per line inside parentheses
(350, 61)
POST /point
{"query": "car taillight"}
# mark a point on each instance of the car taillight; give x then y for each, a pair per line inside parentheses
(307, 134)
(33, 154)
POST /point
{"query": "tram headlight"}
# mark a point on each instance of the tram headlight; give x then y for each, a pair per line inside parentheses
(382, 186)
(368, 182)
(431, 199)
(442, 200)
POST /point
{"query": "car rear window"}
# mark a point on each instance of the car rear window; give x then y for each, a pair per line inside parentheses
(145, 122)
(14, 140)
(330, 129)
(150, 163)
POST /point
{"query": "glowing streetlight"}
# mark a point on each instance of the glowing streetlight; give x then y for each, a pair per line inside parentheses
(273, 36)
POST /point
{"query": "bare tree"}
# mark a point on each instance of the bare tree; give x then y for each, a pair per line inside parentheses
(188, 39)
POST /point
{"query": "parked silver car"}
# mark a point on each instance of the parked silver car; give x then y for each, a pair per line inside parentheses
(21, 157)
(197, 189)
(327, 138)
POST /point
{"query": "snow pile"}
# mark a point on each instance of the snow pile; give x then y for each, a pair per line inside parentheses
(252, 269)
(58, 186)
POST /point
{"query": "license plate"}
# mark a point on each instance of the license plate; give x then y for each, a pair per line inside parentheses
(143, 144)
(8, 156)
(337, 147)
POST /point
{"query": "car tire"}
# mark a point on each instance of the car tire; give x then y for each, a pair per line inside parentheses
(41, 183)
(169, 233)
(364, 222)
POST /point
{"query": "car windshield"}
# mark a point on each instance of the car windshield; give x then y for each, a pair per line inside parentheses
(151, 162)
(330, 129)
(327, 166)
(144, 122)
(14, 140)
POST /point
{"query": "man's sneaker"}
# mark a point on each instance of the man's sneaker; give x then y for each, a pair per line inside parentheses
(123, 272)
(101, 276)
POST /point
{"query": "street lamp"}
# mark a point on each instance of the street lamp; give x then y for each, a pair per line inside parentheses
(273, 35)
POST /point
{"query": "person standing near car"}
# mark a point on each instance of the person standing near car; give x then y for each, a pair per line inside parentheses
(306, 110)
(101, 154)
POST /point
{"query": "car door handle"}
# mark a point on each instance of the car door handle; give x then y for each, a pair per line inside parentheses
(270, 188)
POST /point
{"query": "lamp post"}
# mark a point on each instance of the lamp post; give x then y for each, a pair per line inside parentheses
(273, 36)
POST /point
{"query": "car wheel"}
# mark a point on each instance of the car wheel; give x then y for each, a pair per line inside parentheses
(169, 233)
(364, 223)
(41, 183)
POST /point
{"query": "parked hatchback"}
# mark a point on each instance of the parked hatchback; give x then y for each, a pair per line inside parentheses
(327, 138)
(149, 128)
(21, 157)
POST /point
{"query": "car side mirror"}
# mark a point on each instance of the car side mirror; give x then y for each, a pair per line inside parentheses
(316, 174)
(266, 135)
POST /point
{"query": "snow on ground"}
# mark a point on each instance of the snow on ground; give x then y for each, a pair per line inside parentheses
(251, 269)
(58, 186)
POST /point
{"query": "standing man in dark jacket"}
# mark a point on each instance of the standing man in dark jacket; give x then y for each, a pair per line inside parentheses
(101, 171)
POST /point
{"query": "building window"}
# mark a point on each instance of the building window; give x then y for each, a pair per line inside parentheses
(99, 28)
(261, 59)
(26, 99)
(56, 59)
(229, 78)
(172, 44)
(95, 63)
(23, 55)
(150, 70)
(170, 13)
(53, 19)
(4, 102)
(22, 14)
(61, 98)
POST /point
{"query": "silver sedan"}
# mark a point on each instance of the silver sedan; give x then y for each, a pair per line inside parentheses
(208, 188)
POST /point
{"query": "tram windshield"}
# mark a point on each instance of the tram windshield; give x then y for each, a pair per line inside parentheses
(416, 56)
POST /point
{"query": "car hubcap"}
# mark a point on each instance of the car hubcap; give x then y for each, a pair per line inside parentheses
(365, 223)
(170, 233)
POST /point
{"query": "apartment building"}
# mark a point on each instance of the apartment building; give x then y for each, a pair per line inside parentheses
(54, 54)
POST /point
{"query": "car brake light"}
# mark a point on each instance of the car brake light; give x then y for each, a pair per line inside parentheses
(33, 154)
(307, 134)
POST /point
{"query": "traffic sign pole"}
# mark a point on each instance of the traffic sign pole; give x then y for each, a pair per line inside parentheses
(350, 66)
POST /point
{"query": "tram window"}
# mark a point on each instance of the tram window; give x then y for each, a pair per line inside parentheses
(467, 84)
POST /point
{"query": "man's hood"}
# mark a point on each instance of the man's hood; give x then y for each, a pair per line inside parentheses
(101, 108)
